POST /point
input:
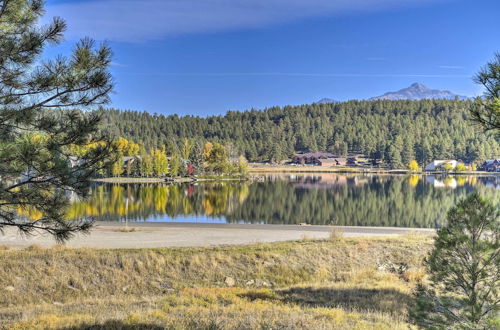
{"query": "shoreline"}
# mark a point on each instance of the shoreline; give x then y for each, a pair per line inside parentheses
(254, 171)
(135, 235)
(163, 180)
(355, 170)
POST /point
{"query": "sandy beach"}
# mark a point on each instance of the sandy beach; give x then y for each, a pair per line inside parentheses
(151, 235)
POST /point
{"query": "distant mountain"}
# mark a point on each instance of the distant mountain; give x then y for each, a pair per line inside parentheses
(326, 100)
(418, 91)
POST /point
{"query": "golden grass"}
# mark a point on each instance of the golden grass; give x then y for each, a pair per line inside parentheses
(336, 234)
(308, 284)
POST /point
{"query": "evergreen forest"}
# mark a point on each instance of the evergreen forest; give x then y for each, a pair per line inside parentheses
(394, 132)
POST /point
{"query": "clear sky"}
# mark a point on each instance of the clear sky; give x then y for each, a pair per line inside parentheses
(203, 57)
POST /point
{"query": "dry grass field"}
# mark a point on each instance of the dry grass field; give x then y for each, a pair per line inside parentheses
(341, 283)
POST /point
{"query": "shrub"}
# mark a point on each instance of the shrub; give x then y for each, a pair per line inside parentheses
(448, 167)
(460, 167)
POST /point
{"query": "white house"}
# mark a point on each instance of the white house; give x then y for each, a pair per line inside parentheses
(438, 165)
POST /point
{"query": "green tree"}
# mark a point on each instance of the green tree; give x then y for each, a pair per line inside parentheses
(159, 162)
(146, 165)
(117, 167)
(242, 166)
(408, 151)
(196, 158)
(175, 165)
(448, 167)
(36, 135)
(338, 128)
(394, 154)
(461, 167)
(187, 147)
(276, 152)
(464, 269)
(217, 158)
(486, 112)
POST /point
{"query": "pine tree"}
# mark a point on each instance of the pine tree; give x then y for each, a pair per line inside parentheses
(36, 136)
(430, 129)
(464, 269)
(486, 112)
(196, 158)
(394, 154)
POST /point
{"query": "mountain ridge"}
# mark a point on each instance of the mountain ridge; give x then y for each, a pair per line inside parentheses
(415, 91)
(418, 91)
(326, 100)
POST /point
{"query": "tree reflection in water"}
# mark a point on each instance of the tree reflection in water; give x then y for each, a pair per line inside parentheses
(350, 200)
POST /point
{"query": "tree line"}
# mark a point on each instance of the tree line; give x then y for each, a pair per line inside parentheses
(395, 132)
(193, 158)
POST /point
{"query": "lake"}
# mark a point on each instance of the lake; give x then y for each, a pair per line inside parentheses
(319, 199)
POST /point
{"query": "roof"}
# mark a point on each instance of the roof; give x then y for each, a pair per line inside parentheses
(323, 155)
(491, 161)
(442, 161)
(326, 160)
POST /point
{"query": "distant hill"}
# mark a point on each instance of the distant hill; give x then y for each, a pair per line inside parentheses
(418, 91)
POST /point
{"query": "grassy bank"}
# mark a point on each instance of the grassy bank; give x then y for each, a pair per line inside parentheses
(318, 169)
(350, 169)
(129, 180)
(337, 283)
(170, 180)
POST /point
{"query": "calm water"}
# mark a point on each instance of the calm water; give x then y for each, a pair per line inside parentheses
(351, 200)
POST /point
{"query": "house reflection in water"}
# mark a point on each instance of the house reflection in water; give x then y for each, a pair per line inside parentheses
(326, 181)
(445, 182)
(491, 182)
(458, 181)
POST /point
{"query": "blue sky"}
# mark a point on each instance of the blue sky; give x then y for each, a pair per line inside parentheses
(203, 57)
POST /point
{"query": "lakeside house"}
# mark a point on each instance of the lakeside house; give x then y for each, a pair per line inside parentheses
(491, 165)
(438, 165)
(327, 162)
(312, 158)
(332, 161)
(322, 159)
